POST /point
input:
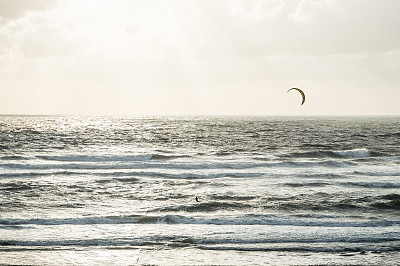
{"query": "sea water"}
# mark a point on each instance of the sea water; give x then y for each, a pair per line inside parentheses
(271, 190)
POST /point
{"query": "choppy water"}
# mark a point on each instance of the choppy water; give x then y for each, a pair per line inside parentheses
(121, 190)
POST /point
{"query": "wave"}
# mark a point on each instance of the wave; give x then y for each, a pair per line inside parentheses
(360, 246)
(110, 158)
(353, 153)
(95, 158)
(372, 184)
(91, 164)
(188, 165)
(184, 175)
(15, 187)
(323, 176)
(38, 174)
(391, 205)
(388, 135)
(13, 158)
(391, 197)
(376, 173)
(232, 198)
(388, 201)
(167, 157)
(314, 145)
(344, 245)
(307, 184)
(248, 219)
(323, 163)
(309, 154)
(183, 170)
(206, 207)
(318, 203)
(3, 147)
(307, 248)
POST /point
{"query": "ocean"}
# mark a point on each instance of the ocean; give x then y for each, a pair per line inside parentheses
(100, 190)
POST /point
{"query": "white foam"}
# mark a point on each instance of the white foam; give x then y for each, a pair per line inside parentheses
(222, 220)
(97, 158)
(355, 153)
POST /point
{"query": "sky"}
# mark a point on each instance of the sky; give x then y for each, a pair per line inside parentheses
(199, 57)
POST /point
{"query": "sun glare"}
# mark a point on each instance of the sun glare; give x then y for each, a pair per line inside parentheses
(124, 28)
(94, 25)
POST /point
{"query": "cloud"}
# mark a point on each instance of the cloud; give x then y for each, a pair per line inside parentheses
(46, 42)
(12, 9)
(213, 30)
(204, 56)
(256, 10)
(306, 9)
(348, 27)
(308, 27)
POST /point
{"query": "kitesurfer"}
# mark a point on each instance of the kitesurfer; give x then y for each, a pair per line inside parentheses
(197, 199)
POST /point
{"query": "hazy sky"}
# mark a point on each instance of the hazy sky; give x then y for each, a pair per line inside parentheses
(203, 57)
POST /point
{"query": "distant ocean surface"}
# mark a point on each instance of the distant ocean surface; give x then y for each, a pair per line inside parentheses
(271, 190)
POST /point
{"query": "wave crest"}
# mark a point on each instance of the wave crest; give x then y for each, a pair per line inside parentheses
(355, 153)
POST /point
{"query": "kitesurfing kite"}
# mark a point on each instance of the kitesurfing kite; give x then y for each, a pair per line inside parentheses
(301, 92)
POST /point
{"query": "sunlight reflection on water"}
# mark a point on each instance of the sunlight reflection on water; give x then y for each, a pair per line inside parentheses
(189, 256)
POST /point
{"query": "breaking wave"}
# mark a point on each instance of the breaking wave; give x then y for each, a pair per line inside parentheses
(249, 219)
(354, 153)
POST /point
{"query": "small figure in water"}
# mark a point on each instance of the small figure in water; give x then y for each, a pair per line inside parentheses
(197, 199)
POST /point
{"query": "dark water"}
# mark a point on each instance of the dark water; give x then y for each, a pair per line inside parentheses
(121, 190)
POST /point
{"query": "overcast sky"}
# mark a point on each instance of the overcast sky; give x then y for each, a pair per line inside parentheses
(200, 57)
